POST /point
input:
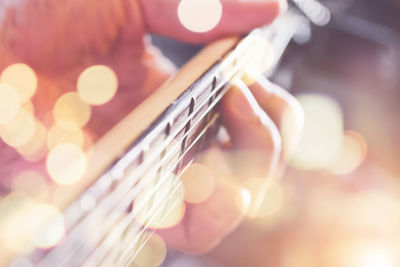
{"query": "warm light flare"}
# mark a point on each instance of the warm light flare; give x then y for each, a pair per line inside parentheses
(22, 78)
(199, 183)
(97, 85)
(9, 103)
(16, 208)
(272, 199)
(50, 226)
(322, 136)
(362, 254)
(352, 154)
(200, 16)
(20, 130)
(65, 132)
(30, 223)
(152, 253)
(161, 205)
(66, 163)
(71, 109)
(36, 145)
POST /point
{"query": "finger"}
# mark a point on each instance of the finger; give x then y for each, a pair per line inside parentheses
(237, 17)
(256, 142)
(207, 222)
(283, 108)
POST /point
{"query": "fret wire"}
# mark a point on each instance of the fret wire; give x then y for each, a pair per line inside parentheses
(155, 228)
(215, 90)
(206, 112)
(76, 206)
(146, 228)
(198, 138)
(120, 227)
(128, 239)
(86, 220)
(138, 250)
(117, 231)
(167, 173)
(182, 156)
(180, 174)
(179, 129)
(198, 109)
(125, 156)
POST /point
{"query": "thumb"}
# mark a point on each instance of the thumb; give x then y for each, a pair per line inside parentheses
(167, 17)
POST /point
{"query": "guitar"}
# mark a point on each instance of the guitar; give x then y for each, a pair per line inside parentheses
(143, 157)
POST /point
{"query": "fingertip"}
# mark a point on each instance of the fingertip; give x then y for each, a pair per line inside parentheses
(235, 104)
(248, 125)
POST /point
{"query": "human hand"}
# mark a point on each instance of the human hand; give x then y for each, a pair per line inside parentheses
(60, 46)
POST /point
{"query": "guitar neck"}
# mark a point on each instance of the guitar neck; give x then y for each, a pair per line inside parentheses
(150, 148)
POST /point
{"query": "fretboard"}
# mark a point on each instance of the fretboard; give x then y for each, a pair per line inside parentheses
(101, 229)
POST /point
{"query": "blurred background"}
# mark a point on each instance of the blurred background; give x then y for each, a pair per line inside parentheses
(339, 202)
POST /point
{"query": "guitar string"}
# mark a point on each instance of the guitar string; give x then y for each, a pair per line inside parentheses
(197, 139)
(76, 232)
(276, 155)
(118, 231)
(204, 102)
(132, 240)
(119, 228)
(137, 251)
(170, 170)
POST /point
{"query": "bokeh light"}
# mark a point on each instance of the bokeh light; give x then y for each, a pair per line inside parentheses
(323, 130)
(36, 144)
(30, 224)
(97, 85)
(362, 253)
(153, 253)
(66, 163)
(161, 208)
(22, 78)
(9, 103)
(50, 226)
(199, 183)
(16, 232)
(65, 132)
(70, 108)
(352, 154)
(273, 198)
(200, 16)
(20, 130)
(265, 54)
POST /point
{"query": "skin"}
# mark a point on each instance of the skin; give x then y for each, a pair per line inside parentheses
(60, 39)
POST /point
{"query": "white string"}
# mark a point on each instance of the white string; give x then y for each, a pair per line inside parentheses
(126, 184)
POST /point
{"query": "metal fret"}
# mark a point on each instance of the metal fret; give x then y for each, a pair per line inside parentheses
(170, 144)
